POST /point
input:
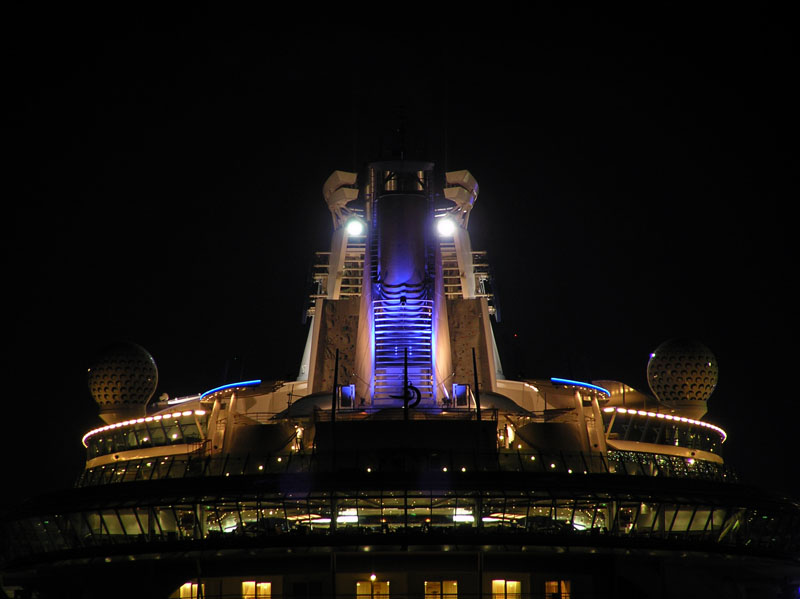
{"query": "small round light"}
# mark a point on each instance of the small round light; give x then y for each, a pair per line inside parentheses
(446, 227)
(354, 227)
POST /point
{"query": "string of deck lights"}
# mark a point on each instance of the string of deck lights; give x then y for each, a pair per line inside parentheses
(633, 412)
(135, 421)
(158, 417)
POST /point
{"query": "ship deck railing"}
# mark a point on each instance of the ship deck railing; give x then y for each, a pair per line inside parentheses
(398, 413)
(408, 459)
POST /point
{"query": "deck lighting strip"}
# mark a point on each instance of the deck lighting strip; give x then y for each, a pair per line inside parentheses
(580, 384)
(668, 417)
(131, 422)
(231, 386)
(179, 400)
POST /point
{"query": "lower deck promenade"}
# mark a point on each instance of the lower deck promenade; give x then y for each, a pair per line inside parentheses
(509, 498)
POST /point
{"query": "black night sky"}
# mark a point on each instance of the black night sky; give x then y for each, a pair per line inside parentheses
(637, 172)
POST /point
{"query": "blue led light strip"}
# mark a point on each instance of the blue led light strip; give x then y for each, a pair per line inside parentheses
(580, 384)
(231, 386)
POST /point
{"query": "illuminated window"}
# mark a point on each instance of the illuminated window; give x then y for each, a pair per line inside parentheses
(506, 589)
(372, 589)
(557, 589)
(252, 589)
(441, 589)
(192, 590)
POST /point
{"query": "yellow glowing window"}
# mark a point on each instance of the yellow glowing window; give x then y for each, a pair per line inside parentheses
(372, 589)
(557, 589)
(191, 590)
(506, 589)
(441, 589)
(256, 590)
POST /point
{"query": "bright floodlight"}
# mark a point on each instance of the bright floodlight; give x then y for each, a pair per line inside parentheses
(354, 227)
(446, 227)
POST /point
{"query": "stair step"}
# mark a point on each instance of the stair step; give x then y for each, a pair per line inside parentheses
(403, 342)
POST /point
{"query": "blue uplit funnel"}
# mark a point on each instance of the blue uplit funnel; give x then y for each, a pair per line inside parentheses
(402, 298)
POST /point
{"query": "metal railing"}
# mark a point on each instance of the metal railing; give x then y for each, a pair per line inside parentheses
(408, 460)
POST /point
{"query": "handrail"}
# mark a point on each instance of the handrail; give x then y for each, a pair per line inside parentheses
(613, 463)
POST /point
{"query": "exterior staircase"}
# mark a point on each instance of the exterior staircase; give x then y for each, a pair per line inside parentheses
(451, 273)
(403, 319)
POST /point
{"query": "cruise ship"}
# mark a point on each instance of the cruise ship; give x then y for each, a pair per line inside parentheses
(402, 463)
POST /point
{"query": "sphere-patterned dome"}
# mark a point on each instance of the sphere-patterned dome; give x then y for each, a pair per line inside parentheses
(124, 375)
(682, 369)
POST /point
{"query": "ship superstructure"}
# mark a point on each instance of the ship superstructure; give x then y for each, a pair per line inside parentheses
(402, 462)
